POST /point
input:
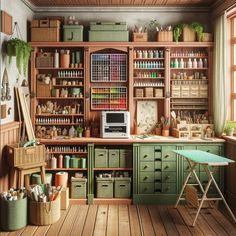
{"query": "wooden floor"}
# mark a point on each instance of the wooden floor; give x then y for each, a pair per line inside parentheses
(133, 220)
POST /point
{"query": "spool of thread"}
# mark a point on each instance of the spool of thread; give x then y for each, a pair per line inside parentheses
(83, 162)
(66, 161)
(60, 161)
(53, 162)
(61, 179)
(56, 59)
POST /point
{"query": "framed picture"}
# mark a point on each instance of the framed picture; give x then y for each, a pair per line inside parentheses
(6, 23)
(147, 116)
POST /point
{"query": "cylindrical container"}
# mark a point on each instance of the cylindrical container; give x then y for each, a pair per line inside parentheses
(165, 132)
(74, 162)
(65, 60)
(83, 162)
(56, 59)
(13, 214)
(44, 213)
(66, 161)
(61, 179)
(158, 131)
(87, 133)
(60, 161)
(36, 178)
(53, 162)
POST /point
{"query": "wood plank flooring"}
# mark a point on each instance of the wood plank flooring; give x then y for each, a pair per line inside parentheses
(114, 220)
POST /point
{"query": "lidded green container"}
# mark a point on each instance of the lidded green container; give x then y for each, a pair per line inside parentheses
(100, 158)
(78, 188)
(13, 214)
(122, 187)
(73, 33)
(104, 187)
(113, 158)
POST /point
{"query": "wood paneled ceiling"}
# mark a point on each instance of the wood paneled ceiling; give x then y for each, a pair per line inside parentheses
(88, 3)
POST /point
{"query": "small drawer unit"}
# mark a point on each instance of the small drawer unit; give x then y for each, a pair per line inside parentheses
(104, 187)
(113, 158)
(78, 188)
(122, 187)
(100, 158)
(72, 33)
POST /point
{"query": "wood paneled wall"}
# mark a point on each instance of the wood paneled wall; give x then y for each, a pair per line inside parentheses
(9, 134)
(230, 185)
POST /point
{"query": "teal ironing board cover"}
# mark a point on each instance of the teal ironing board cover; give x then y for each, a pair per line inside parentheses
(202, 157)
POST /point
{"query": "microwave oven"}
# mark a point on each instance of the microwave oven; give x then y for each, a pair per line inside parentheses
(115, 124)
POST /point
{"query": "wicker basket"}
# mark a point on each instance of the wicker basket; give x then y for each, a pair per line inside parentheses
(44, 213)
(188, 34)
(22, 156)
(165, 36)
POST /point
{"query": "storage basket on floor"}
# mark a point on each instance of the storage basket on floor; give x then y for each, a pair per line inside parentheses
(44, 213)
(78, 188)
(13, 214)
(104, 187)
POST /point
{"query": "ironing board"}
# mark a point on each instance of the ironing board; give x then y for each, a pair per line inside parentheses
(206, 160)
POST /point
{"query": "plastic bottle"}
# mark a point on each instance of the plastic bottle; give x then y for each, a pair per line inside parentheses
(205, 63)
(189, 63)
(176, 63)
(181, 63)
(200, 63)
(195, 64)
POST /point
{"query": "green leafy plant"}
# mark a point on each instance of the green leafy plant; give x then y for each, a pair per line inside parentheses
(198, 28)
(230, 127)
(152, 25)
(20, 49)
(79, 131)
(177, 31)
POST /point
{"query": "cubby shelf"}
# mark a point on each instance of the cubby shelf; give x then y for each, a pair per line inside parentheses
(112, 168)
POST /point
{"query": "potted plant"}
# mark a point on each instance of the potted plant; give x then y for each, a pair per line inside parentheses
(21, 50)
(229, 128)
(152, 26)
(80, 131)
(177, 32)
(198, 28)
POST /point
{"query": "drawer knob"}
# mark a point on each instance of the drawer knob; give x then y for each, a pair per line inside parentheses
(167, 188)
(167, 166)
(145, 167)
(146, 177)
(166, 156)
(145, 156)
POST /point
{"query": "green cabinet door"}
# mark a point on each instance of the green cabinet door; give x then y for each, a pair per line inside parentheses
(169, 188)
(146, 153)
(146, 177)
(169, 166)
(146, 166)
(214, 149)
(168, 154)
(169, 177)
(146, 188)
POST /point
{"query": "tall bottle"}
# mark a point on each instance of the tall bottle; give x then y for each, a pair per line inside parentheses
(181, 63)
(56, 59)
(189, 63)
(195, 64)
(200, 63)
(205, 63)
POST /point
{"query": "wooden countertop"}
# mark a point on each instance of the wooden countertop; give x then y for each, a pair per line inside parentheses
(131, 140)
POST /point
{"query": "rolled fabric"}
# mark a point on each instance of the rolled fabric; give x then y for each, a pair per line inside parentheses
(61, 179)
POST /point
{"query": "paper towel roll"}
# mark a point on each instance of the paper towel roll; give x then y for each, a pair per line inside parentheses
(61, 179)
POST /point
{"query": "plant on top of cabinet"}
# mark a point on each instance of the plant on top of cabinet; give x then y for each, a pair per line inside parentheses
(198, 28)
(178, 30)
(20, 49)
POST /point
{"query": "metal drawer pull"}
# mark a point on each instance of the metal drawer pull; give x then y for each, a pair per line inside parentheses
(122, 185)
(166, 167)
(157, 150)
(158, 159)
(146, 177)
(78, 186)
(158, 170)
(105, 185)
(166, 156)
(158, 180)
(145, 156)
(168, 188)
(101, 154)
(145, 167)
(158, 190)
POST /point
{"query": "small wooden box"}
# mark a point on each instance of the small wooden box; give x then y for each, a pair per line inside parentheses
(180, 134)
(43, 90)
(188, 35)
(3, 111)
(140, 37)
(148, 92)
(44, 61)
(165, 36)
(139, 92)
(43, 23)
(158, 92)
(23, 156)
(45, 34)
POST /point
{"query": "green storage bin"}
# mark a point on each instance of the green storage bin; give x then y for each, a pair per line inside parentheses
(126, 159)
(108, 36)
(101, 158)
(78, 188)
(113, 158)
(73, 33)
(74, 162)
(36, 178)
(122, 187)
(104, 187)
(13, 214)
(113, 26)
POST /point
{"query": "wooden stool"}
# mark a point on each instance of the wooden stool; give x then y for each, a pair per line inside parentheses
(30, 169)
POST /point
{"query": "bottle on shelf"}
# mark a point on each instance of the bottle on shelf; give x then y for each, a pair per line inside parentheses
(176, 63)
(205, 63)
(200, 63)
(56, 59)
(181, 63)
(195, 64)
(189, 63)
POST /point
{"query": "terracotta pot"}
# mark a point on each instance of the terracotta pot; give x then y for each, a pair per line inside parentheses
(158, 131)
(165, 132)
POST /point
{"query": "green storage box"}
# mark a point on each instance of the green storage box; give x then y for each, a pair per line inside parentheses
(113, 158)
(36, 178)
(104, 187)
(122, 187)
(103, 26)
(108, 36)
(126, 159)
(74, 162)
(73, 33)
(101, 158)
(13, 214)
(78, 188)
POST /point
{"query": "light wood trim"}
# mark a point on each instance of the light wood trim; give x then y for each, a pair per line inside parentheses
(9, 126)
(130, 80)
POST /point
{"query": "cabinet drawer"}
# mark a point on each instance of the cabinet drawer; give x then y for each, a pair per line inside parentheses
(192, 179)
(204, 178)
(157, 165)
(146, 188)
(157, 188)
(169, 177)
(185, 88)
(187, 167)
(176, 94)
(169, 188)
(203, 87)
(203, 94)
(147, 153)
(168, 154)
(194, 87)
(169, 166)
(211, 149)
(147, 177)
(146, 166)
(194, 94)
(176, 87)
(157, 176)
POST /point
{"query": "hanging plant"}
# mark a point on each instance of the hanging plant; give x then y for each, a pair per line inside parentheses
(20, 49)
(198, 28)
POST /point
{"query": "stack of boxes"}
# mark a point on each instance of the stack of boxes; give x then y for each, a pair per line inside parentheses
(108, 32)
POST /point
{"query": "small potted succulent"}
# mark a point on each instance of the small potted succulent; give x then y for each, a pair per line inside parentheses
(230, 128)
(21, 50)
